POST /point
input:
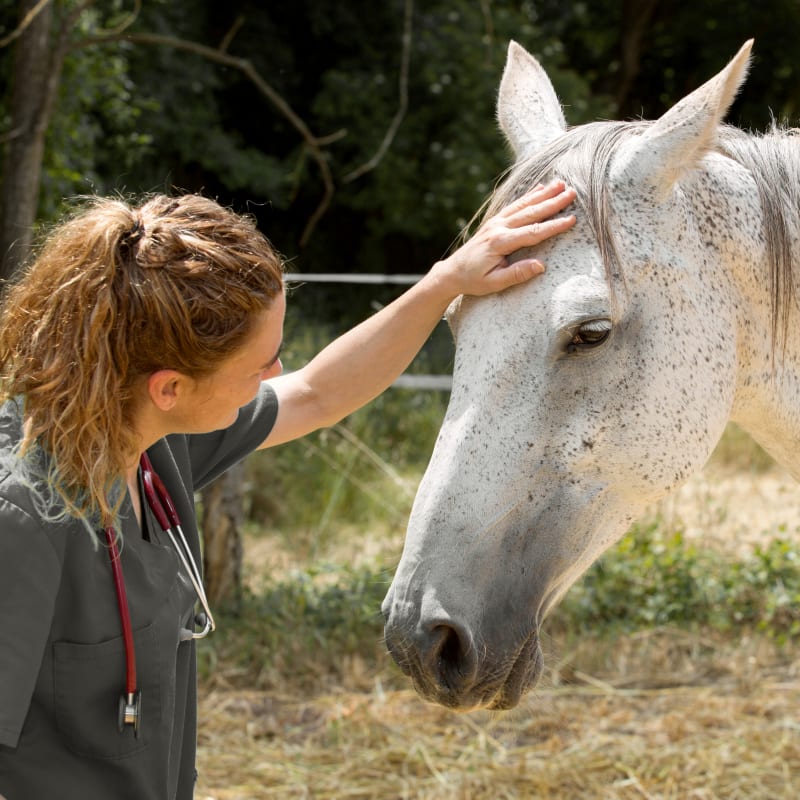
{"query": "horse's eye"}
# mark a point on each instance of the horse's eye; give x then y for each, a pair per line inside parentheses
(590, 334)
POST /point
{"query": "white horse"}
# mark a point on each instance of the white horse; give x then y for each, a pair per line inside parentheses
(668, 310)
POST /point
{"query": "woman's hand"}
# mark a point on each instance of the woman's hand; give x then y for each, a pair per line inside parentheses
(480, 266)
(363, 362)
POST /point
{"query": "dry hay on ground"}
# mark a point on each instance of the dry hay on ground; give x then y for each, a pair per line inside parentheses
(729, 730)
(664, 717)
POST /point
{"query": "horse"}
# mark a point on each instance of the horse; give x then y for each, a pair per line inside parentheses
(668, 310)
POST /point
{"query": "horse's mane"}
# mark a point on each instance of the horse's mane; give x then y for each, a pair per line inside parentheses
(582, 157)
(771, 159)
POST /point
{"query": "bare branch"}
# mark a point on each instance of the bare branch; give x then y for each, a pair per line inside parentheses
(126, 22)
(402, 107)
(12, 134)
(24, 24)
(322, 141)
(312, 143)
(229, 36)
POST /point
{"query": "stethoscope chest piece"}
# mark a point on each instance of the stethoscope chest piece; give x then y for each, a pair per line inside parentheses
(130, 712)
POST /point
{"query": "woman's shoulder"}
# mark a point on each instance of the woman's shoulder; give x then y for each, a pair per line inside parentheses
(10, 423)
(18, 494)
(10, 437)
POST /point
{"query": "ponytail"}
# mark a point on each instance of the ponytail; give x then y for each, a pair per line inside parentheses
(116, 293)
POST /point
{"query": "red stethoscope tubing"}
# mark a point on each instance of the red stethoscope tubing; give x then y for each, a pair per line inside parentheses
(124, 612)
(158, 497)
(160, 502)
(164, 509)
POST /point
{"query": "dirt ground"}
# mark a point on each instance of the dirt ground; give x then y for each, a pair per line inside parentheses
(663, 715)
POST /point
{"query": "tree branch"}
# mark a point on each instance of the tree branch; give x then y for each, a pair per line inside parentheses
(402, 107)
(24, 24)
(228, 37)
(126, 22)
(219, 56)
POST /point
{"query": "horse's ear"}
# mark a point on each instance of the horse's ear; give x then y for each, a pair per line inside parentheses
(676, 142)
(528, 109)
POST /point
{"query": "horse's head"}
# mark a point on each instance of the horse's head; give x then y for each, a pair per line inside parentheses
(577, 399)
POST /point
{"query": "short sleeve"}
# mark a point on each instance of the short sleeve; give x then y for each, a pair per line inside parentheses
(210, 454)
(30, 574)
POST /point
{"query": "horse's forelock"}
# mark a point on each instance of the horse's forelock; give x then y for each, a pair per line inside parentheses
(582, 158)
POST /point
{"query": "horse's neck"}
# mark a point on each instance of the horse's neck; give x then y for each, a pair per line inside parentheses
(767, 402)
(771, 415)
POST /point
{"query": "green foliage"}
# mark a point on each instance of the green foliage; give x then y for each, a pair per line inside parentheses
(138, 117)
(305, 627)
(738, 450)
(141, 117)
(656, 578)
(647, 55)
(95, 137)
(364, 470)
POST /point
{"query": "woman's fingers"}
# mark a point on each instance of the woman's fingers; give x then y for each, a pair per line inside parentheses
(534, 195)
(538, 205)
(528, 235)
(482, 265)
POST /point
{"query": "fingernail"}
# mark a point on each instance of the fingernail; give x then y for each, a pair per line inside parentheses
(538, 267)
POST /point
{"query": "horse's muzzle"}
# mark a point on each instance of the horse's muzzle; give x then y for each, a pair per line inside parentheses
(448, 667)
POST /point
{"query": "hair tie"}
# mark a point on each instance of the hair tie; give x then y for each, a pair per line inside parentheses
(131, 237)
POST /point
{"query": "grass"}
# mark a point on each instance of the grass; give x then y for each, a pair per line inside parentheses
(654, 577)
(364, 470)
(312, 606)
(304, 702)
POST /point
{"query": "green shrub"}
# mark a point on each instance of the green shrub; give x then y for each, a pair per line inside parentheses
(655, 577)
(304, 629)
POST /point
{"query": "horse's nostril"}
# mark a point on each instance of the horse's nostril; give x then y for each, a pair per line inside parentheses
(451, 657)
(450, 651)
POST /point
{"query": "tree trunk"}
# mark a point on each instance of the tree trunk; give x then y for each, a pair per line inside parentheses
(33, 89)
(223, 515)
(637, 16)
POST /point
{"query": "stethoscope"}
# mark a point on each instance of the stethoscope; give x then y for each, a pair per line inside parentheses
(160, 502)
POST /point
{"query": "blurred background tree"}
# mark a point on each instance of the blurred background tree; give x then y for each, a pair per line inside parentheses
(360, 135)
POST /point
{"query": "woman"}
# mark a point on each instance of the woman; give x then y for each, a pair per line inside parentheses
(143, 346)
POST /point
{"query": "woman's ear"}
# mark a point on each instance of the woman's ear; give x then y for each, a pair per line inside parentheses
(165, 387)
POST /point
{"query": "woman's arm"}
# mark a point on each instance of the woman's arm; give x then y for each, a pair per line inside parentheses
(362, 363)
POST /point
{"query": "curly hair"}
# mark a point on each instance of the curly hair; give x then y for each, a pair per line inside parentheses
(115, 293)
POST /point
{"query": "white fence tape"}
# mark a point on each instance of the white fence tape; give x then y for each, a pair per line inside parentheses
(321, 277)
(423, 383)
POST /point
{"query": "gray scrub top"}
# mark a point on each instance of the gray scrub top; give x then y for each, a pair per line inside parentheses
(62, 657)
